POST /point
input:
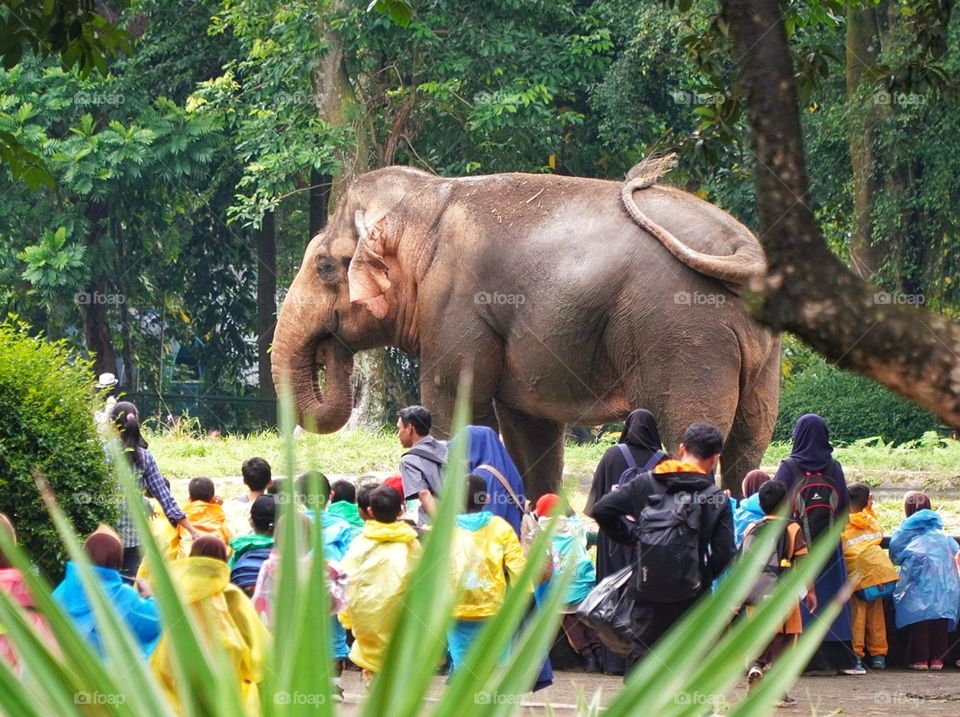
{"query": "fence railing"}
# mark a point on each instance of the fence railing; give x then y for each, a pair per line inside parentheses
(227, 414)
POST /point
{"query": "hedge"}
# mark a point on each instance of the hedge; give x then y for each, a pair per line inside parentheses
(46, 428)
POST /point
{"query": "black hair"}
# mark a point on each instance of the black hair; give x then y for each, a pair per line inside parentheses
(303, 489)
(702, 440)
(263, 514)
(859, 494)
(418, 417)
(363, 495)
(343, 491)
(385, 504)
(126, 419)
(275, 486)
(476, 493)
(256, 474)
(771, 495)
(201, 489)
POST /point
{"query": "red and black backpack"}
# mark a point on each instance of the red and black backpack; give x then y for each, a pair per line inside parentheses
(815, 500)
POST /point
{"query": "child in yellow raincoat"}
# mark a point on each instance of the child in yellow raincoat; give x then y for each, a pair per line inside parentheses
(206, 514)
(224, 614)
(486, 550)
(378, 566)
(868, 565)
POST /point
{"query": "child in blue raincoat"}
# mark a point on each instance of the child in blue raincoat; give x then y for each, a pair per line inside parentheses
(927, 597)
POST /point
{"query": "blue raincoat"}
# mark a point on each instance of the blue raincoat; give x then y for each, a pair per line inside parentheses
(139, 613)
(929, 585)
(749, 511)
(487, 449)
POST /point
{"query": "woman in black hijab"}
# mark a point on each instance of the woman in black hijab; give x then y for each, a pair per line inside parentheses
(640, 441)
(812, 454)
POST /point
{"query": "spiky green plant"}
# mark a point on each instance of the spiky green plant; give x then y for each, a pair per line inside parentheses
(688, 673)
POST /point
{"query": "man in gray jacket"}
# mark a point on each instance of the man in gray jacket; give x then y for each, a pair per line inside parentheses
(422, 465)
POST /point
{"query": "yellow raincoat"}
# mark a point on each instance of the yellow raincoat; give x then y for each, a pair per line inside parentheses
(208, 519)
(867, 563)
(485, 550)
(225, 614)
(378, 565)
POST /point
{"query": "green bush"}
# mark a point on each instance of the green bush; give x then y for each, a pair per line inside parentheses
(46, 427)
(853, 406)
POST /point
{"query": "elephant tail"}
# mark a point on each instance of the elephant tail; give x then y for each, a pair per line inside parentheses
(736, 268)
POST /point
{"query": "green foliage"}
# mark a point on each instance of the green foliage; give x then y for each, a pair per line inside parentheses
(47, 429)
(854, 407)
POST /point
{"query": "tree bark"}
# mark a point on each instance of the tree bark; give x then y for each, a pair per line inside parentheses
(94, 306)
(807, 290)
(266, 301)
(319, 201)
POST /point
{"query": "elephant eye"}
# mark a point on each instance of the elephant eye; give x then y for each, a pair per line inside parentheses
(327, 269)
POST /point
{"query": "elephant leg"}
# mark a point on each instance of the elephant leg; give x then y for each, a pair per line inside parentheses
(536, 446)
(752, 424)
(440, 381)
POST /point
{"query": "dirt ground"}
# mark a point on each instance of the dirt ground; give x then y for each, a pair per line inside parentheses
(877, 694)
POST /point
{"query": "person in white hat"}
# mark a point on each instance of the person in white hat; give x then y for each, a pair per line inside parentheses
(105, 381)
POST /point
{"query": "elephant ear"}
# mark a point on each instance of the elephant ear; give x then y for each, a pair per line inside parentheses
(368, 273)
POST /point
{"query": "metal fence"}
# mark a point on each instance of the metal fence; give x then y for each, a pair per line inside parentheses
(227, 414)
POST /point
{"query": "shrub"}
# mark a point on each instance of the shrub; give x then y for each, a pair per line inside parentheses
(853, 406)
(46, 426)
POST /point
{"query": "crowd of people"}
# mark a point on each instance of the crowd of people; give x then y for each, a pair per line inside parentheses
(662, 518)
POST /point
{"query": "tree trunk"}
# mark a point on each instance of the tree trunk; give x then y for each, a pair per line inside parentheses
(319, 201)
(807, 290)
(95, 301)
(266, 301)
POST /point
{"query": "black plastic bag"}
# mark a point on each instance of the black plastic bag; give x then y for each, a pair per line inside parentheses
(607, 610)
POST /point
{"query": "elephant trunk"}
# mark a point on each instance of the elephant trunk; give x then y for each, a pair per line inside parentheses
(317, 371)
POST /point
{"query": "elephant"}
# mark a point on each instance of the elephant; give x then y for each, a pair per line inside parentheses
(573, 300)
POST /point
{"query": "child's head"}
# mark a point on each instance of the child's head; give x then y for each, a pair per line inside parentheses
(546, 504)
(859, 496)
(263, 514)
(256, 474)
(201, 489)
(476, 493)
(752, 482)
(396, 483)
(771, 495)
(7, 526)
(915, 500)
(363, 499)
(305, 490)
(343, 491)
(105, 550)
(209, 546)
(386, 505)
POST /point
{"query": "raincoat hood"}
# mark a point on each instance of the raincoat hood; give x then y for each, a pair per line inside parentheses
(864, 520)
(395, 532)
(474, 521)
(71, 594)
(348, 511)
(747, 512)
(200, 578)
(923, 520)
(13, 584)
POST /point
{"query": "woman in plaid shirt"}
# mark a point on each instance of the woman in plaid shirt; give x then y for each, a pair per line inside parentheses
(127, 420)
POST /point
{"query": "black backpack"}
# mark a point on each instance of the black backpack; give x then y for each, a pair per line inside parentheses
(633, 470)
(669, 563)
(777, 561)
(815, 500)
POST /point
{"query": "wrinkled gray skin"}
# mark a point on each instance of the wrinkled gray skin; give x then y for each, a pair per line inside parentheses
(567, 311)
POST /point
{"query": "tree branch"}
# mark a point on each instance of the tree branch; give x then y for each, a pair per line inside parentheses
(807, 289)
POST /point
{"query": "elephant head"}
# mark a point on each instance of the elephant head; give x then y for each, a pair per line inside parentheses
(345, 297)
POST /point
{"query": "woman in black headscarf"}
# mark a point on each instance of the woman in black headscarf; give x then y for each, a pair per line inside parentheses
(812, 454)
(639, 445)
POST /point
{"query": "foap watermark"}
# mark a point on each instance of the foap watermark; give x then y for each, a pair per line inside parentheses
(94, 497)
(698, 98)
(99, 98)
(898, 298)
(698, 698)
(312, 699)
(698, 298)
(96, 298)
(498, 299)
(487, 697)
(98, 698)
(904, 99)
(897, 699)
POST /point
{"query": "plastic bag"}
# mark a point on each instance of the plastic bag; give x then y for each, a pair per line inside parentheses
(607, 610)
